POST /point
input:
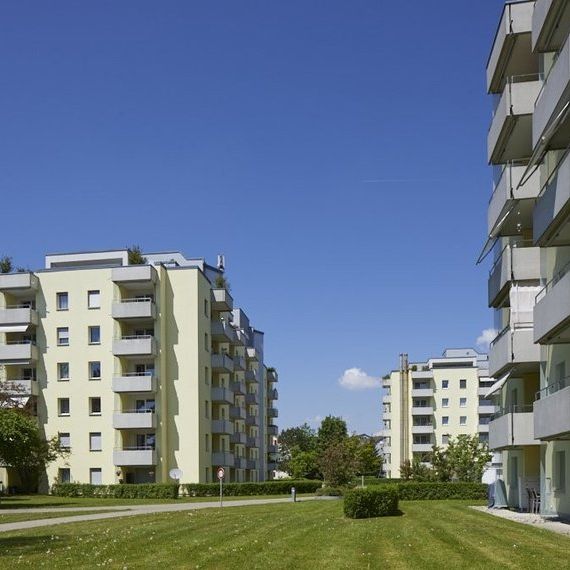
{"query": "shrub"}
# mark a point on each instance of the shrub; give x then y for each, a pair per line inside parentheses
(124, 491)
(372, 502)
(410, 491)
(281, 487)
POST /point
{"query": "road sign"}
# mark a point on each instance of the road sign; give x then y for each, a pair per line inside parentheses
(221, 473)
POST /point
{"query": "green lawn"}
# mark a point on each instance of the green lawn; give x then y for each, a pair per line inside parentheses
(306, 535)
(17, 517)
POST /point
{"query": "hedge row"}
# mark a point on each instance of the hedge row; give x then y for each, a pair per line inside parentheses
(370, 502)
(125, 491)
(281, 487)
(411, 491)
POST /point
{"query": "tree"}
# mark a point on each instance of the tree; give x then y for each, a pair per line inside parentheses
(12, 395)
(467, 457)
(135, 255)
(222, 283)
(332, 430)
(416, 471)
(367, 458)
(293, 441)
(303, 464)
(6, 264)
(23, 447)
(338, 463)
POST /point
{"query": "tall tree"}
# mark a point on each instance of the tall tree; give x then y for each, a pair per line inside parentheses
(332, 430)
(295, 440)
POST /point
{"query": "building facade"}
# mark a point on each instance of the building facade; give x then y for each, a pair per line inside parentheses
(528, 77)
(426, 403)
(139, 369)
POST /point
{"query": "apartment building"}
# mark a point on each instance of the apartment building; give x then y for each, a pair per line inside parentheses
(139, 369)
(528, 78)
(426, 403)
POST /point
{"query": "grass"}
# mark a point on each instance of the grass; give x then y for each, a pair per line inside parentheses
(17, 517)
(312, 534)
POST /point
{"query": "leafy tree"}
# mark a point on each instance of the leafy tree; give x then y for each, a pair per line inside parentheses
(135, 255)
(293, 441)
(415, 470)
(332, 430)
(222, 283)
(12, 395)
(303, 464)
(467, 457)
(6, 264)
(367, 458)
(338, 463)
(23, 447)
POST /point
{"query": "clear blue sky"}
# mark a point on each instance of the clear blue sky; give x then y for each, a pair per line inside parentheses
(333, 150)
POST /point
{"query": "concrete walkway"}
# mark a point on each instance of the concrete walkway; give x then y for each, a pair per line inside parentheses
(127, 511)
(531, 519)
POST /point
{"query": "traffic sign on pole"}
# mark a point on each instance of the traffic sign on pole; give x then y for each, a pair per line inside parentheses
(221, 472)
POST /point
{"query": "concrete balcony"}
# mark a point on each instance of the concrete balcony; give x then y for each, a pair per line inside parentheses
(551, 213)
(252, 398)
(550, 24)
(240, 462)
(221, 362)
(239, 438)
(510, 206)
(513, 264)
(422, 375)
(422, 411)
(21, 388)
(272, 430)
(486, 409)
(222, 395)
(223, 427)
(134, 419)
(483, 428)
(422, 447)
(134, 345)
(18, 352)
(250, 376)
(272, 375)
(513, 348)
(18, 315)
(554, 95)
(223, 459)
(512, 430)
(222, 331)
(272, 394)
(134, 382)
(18, 282)
(222, 300)
(387, 398)
(253, 442)
(252, 421)
(271, 448)
(241, 338)
(422, 392)
(510, 134)
(141, 308)
(272, 413)
(511, 50)
(237, 413)
(552, 311)
(134, 457)
(133, 274)
(252, 354)
(239, 363)
(238, 387)
(387, 415)
(552, 413)
(422, 429)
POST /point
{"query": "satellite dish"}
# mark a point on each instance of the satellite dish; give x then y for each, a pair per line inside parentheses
(175, 474)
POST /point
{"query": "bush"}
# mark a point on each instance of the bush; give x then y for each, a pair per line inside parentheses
(372, 502)
(123, 491)
(281, 487)
(410, 491)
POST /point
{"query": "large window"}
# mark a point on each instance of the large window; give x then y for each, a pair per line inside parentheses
(63, 371)
(462, 420)
(64, 475)
(63, 408)
(95, 335)
(445, 420)
(445, 384)
(95, 370)
(64, 440)
(463, 384)
(94, 299)
(462, 402)
(62, 301)
(560, 471)
(95, 441)
(63, 336)
(445, 402)
(95, 406)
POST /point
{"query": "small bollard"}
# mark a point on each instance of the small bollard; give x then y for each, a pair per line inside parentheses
(294, 494)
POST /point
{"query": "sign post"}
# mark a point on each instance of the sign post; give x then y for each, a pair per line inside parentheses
(221, 473)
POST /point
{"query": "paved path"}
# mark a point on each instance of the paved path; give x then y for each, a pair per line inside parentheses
(128, 511)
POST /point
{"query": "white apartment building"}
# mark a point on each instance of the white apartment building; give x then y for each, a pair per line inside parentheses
(139, 369)
(528, 77)
(426, 403)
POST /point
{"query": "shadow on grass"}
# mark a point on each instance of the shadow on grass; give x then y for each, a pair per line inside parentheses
(27, 503)
(28, 542)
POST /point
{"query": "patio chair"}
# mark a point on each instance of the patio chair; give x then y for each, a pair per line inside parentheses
(535, 501)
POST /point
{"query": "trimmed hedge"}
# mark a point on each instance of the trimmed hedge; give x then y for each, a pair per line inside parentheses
(371, 502)
(411, 491)
(123, 491)
(281, 487)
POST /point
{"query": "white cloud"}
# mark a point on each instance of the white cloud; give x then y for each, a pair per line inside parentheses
(357, 379)
(485, 338)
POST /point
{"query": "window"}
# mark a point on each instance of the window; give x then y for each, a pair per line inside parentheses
(64, 475)
(206, 343)
(445, 384)
(95, 476)
(94, 299)
(207, 409)
(560, 471)
(64, 440)
(95, 441)
(95, 335)
(206, 308)
(62, 301)
(462, 402)
(94, 406)
(463, 384)
(445, 420)
(62, 371)
(146, 440)
(63, 406)
(462, 420)
(63, 336)
(207, 375)
(145, 405)
(445, 402)
(95, 370)
(207, 442)
(445, 439)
